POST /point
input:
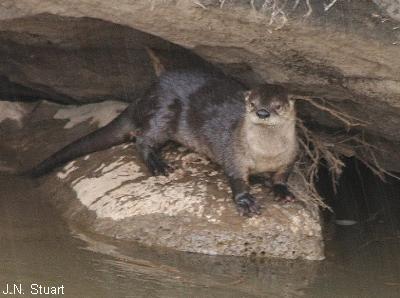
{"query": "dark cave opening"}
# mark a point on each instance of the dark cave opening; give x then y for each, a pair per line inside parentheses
(361, 199)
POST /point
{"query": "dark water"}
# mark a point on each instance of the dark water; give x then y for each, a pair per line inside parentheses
(36, 246)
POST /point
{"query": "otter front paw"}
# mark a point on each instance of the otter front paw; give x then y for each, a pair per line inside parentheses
(246, 205)
(157, 166)
(283, 194)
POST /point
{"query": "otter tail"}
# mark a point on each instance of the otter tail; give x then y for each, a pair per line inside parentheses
(118, 131)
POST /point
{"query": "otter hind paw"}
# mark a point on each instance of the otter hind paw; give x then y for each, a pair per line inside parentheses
(283, 194)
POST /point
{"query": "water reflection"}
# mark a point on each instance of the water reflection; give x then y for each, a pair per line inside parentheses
(38, 247)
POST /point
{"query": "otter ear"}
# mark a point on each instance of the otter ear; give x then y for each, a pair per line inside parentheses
(292, 98)
(247, 95)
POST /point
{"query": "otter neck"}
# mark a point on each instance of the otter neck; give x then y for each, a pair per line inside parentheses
(262, 140)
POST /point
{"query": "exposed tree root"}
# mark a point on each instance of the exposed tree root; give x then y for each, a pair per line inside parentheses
(346, 119)
(277, 10)
(322, 149)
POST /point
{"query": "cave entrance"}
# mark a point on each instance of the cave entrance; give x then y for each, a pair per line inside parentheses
(364, 207)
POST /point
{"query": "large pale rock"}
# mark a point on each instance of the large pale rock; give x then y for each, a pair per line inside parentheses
(111, 193)
(191, 210)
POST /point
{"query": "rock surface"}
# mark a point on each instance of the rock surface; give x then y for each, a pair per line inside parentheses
(111, 193)
(74, 60)
(347, 52)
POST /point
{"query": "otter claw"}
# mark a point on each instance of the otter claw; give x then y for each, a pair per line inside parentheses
(246, 205)
(157, 166)
(286, 199)
(283, 194)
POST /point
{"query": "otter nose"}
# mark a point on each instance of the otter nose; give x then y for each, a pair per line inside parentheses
(262, 113)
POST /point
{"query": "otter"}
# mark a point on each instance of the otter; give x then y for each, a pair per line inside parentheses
(246, 132)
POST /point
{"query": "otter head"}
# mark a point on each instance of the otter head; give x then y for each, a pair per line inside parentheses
(269, 105)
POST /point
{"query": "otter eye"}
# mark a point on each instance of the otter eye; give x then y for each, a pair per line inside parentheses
(278, 107)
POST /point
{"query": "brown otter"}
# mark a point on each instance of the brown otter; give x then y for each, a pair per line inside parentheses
(247, 132)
